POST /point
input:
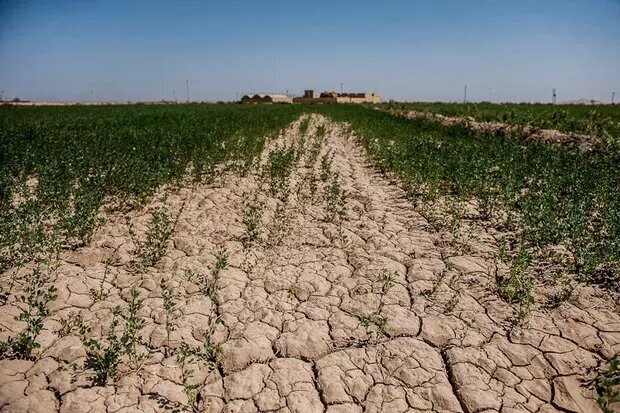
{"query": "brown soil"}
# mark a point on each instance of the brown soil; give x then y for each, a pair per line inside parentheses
(369, 314)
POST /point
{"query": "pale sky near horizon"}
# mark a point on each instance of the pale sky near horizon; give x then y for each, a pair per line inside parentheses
(404, 50)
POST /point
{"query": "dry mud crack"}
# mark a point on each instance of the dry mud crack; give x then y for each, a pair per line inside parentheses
(325, 308)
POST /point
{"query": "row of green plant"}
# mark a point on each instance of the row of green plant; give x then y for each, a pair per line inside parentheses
(547, 195)
(60, 165)
(596, 120)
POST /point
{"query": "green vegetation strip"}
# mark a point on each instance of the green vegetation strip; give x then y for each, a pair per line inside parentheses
(595, 120)
(551, 195)
(59, 165)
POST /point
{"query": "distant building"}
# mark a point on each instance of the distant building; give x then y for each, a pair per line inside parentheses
(267, 98)
(310, 97)
(334, 97)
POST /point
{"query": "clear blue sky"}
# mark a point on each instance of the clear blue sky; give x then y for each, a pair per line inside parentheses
(405, 50)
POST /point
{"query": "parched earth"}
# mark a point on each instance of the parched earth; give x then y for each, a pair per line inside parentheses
(366, 311)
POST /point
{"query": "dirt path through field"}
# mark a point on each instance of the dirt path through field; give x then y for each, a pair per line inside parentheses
(309, 301)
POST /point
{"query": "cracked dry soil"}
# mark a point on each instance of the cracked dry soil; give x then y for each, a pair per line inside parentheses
(314, 315)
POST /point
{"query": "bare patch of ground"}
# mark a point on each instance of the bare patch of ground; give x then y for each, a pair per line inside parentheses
(317, 288)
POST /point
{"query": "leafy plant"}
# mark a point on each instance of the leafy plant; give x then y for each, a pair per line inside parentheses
(35, 310)
(608, 386)
(133, 326)
(103, 357)
(171, 312)
(517, 287)
(156, 240)
(252, 213)
(101, 294)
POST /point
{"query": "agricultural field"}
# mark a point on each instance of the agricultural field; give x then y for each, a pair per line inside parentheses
(291, 258)
(596, 121)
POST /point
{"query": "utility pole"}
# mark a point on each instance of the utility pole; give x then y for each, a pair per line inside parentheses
(187, 87)
(465, 95)
(2, 96)
(341, 88)
(613, 95)
(174, 96)
(553, 98)
(489, 95)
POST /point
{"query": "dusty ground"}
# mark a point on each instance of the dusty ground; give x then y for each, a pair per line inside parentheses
(368, 313)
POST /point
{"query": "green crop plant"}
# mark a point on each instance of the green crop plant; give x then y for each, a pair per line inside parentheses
(279, 168)
(35, 309)
(171, 311)
(550, 195)
(158, 234)
(185, 358)
(133, 327)
(59, 174)
(303, 126)
(72, 323)
(103, 356)
(252, 213)
(335, 201)
(608, 386)
(517, 287)
(326, 166)
(101, 294)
